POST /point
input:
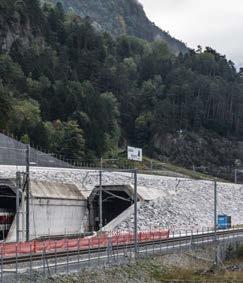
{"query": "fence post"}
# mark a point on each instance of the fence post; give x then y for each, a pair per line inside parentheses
(160, 243)
(153, 243)
(215, 224)
(55, 256)
(236, 176)
(43, 255)
(100, 201)
(1, 263)
(135, 199)
(108, 249)
(79, 253)
(117, 243)
(30, 246)
(17, 205)
(27, 191)
(173, 239)
(180, 240)
(89, 252)
(16, 262)
(67, 256)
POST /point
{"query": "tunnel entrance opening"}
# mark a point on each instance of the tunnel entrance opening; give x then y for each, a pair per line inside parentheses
(7, 209)
(114, 202)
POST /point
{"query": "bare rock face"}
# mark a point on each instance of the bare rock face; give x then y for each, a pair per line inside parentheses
(203, 150)
(122, 17)
(15, 31)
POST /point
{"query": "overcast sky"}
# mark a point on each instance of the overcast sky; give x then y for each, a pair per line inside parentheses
(214, 23)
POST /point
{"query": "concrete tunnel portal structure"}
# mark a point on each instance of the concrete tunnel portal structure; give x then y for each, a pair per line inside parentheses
(58, 209)
(115, 200)
(55, 209)
(7, 207)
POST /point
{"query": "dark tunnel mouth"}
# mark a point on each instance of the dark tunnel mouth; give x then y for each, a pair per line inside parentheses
(7, 209)
(114, 202)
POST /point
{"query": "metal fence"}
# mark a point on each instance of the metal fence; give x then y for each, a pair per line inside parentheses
(13, 152)
(68, 256)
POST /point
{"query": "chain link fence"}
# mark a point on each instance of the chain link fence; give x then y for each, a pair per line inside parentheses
(13, 152)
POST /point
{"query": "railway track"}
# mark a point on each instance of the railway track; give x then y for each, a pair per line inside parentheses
(64, 253)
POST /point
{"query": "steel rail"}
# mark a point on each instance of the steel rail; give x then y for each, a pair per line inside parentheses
(63, 253)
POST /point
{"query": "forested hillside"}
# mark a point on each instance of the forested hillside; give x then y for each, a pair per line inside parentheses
(84, 94)
(121, 17)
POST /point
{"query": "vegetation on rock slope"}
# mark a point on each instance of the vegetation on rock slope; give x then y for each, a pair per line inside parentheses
(84, 94)
(121, 17)
(179, 267)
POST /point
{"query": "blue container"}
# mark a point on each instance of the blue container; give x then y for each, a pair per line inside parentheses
(224, 221)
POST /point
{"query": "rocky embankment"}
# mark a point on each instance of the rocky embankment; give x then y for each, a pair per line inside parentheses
(181, 204)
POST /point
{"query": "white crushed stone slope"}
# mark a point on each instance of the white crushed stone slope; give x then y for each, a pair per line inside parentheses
(182, 204)
(189, 206)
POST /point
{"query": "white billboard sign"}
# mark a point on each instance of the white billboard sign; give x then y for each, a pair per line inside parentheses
(134, 153)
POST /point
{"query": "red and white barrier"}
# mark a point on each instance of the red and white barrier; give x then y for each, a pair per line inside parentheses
(97, 241)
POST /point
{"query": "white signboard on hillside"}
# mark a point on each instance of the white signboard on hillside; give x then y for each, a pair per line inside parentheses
(134, 153)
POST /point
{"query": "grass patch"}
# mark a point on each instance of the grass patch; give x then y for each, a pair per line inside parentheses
(178, 169)
(155, 167)
(156, 270)
(187, 275)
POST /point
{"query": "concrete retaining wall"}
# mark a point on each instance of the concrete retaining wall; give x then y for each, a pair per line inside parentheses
(53, 217)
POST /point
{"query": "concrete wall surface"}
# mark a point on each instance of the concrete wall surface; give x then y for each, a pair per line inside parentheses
(57, 217)
(53, 217)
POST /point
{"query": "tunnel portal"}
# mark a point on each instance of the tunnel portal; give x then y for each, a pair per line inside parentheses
(7, 208)
(115, 200)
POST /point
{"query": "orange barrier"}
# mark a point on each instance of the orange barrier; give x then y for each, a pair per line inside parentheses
(101, 241)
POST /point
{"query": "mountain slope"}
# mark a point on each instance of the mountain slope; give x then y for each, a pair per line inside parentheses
(121, 17)
(84, 94)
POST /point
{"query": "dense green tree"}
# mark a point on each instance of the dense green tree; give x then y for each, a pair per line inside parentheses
(143, 129)
(24, 117)
(10, 72)
(5, 106)
(67, 140)
(83, 93)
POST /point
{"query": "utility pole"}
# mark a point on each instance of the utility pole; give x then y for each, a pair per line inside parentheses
(18, 183)
(27, 192)
(23, 207)
(236, 176)
(100, 202)
(215, 224)
(101, 163)
(135, 199)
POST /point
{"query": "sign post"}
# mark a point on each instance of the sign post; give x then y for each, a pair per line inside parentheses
(215, 223)
(135, 154)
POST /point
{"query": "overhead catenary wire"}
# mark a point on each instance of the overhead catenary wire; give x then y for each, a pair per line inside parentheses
(116, 196)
